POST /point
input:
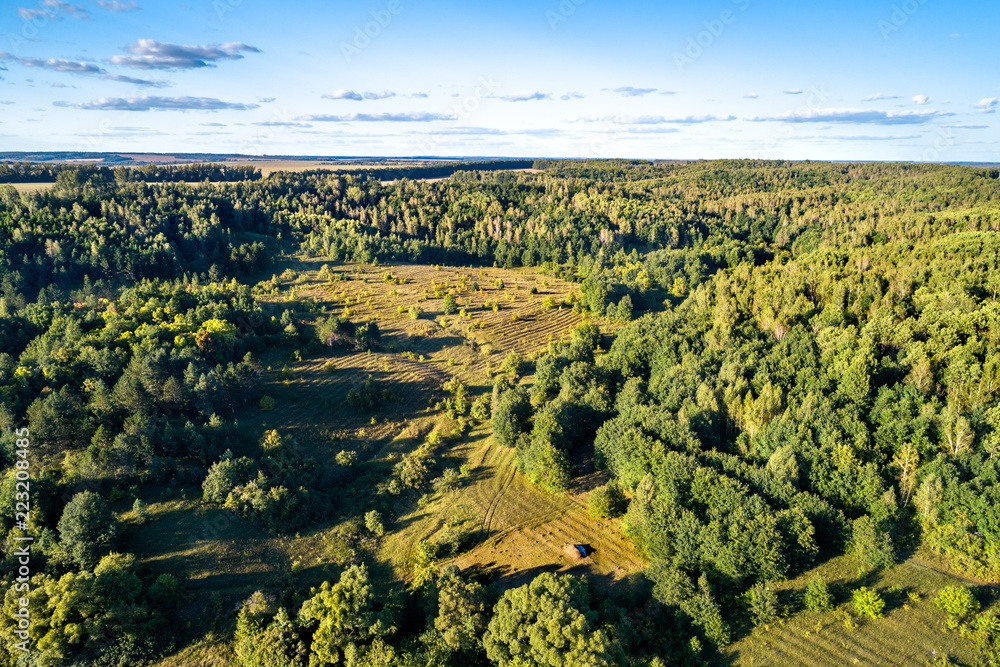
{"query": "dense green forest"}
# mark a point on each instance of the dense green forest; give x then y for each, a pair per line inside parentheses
(798, 361)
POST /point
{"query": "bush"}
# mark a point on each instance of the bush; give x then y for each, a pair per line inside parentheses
(481, 408)
(266, 403)
(872, 544)
(763, 603)
(817, 597)
(607, 502)
(416, 312)
(140, 511)
(346, 458)
(448, 481)
(373, 522)
(957, 601)
(868, 603)
(224, 476)
(513, 364)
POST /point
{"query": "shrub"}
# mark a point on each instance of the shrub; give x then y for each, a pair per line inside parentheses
(224, 475)
(346, 458)
(957, 601)
(763, 603)
(448, 481)
(165, 591)
(868, 603)
(513, 364)
(266, 403)
(817, 597)
(140, 511)
(373, 522)
(416, 312)
(481, 408)
(607, 502)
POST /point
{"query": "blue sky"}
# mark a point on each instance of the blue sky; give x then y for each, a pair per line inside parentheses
(775, 79)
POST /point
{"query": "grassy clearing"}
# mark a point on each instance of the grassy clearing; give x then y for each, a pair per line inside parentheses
(517, 529)
(30, 187)
(913, 631)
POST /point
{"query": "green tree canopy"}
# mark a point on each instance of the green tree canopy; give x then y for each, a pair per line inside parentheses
(547, 623)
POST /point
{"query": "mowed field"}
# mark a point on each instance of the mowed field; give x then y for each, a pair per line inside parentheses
(517, 530)
(268, 167)
(912, 632)
(29, 187)
(521, 528)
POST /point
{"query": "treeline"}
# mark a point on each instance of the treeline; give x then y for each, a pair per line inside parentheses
(34, 172)
(442, 170)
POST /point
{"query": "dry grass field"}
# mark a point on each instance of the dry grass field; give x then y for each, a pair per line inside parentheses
(517, 529)
(30, 187)
(912, 632)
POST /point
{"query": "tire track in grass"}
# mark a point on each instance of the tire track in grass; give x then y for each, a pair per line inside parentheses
(492, 509)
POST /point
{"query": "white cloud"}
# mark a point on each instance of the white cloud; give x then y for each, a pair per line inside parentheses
(115, 7)
(411, 117)
(988, 104)
(120, 78)
(922, 99)
(631, 91)
(653, 120)
(150, 54)
(53, 10)
(32, 14)
(526, 96)
(345, 94)
(279, 123)
(877, 97)
(855, 116)
(751, 96)
(793, 91)
(56, 64)
(74, 11)
(160, 104)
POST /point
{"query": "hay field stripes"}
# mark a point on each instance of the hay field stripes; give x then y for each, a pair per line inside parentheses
(911, 633)
(313, 401)
(368, 296)
(522, 527)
